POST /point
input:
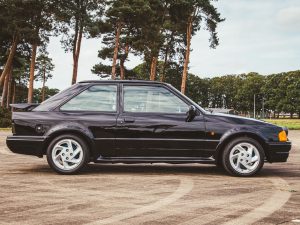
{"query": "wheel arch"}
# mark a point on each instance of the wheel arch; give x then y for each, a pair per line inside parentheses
(88, 140)
(224, 141)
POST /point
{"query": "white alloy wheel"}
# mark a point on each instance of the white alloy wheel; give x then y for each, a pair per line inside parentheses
(244, 158)
(67, 154)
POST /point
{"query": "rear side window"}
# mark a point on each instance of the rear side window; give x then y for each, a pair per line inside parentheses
(95, 98)
(152, 100)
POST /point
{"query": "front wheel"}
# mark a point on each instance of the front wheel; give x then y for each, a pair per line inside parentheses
(243, 157)
(67, 154)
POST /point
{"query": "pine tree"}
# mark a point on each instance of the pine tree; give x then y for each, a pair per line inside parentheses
(44, 67)
(190, 15)
(77, 18)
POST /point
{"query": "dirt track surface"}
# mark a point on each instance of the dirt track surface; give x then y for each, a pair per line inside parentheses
(31, 193)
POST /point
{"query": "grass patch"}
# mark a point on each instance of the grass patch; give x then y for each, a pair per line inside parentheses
(5, 129)
(292, 124)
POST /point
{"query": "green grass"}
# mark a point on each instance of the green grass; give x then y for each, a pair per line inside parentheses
(292, 124)
(5, 129)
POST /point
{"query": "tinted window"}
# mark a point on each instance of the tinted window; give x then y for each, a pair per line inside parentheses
(95, 98)
(56, 99)
(152, 99)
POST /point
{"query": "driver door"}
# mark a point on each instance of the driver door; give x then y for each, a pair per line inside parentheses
(152, 124)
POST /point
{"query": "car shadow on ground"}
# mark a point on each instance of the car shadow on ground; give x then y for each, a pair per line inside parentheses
(167, 169)
(153, 169)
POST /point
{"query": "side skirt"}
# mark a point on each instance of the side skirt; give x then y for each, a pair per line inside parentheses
(172, 160)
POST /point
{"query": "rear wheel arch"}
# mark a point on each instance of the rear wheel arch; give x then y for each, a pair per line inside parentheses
(68, 154)
(226, 141)
(77, 133)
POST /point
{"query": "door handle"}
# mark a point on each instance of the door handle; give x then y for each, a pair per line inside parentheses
(129, 120)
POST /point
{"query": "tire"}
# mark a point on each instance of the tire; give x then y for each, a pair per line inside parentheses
(67, 154)
(243, 157)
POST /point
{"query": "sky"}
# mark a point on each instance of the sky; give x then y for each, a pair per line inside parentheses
(257, 36)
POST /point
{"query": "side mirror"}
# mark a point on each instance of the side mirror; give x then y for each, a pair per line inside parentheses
(190, 115)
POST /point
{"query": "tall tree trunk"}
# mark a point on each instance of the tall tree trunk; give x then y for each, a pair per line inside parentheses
(9, 60)
(122, 69)
(162, 77)
(116, 49)
(8, 98)
(153, 68)
(44, 81)
(76, 52)
(14, 94)
(122, 61)
(5, 89)
(31, 76)
(187, 53)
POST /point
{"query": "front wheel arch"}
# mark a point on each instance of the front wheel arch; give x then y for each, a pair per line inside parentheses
(221, 147)
(237, 160)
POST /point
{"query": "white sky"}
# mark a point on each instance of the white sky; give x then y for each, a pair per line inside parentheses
(259, 35)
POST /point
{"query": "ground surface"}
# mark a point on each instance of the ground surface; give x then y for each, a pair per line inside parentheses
(30, 193)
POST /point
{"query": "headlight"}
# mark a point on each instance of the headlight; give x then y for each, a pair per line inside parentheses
(282, 136)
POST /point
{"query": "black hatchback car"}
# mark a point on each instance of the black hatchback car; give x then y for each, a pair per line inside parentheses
(141, 122)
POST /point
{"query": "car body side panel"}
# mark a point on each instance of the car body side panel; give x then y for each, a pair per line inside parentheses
(228, 127)
(161, 136)
(97, 127)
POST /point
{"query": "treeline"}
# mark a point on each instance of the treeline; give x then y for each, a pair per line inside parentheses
(156, 30)
(276, 93)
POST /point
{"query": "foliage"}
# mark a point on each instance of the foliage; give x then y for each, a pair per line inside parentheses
(37, 94)
(44, 67)
(5, 117)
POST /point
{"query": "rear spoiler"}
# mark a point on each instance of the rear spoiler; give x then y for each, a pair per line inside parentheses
(24, 106)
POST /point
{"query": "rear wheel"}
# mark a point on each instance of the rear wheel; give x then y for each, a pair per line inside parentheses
(243, 157)
(67, 154)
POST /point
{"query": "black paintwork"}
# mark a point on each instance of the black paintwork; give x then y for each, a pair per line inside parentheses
(139, 137)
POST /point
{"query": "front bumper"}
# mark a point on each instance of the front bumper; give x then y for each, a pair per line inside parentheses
(27, 145)
(278, 151)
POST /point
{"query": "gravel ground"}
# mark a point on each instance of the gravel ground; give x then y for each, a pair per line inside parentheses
(31, 193)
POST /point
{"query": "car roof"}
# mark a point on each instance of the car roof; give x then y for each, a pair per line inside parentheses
(122, 81)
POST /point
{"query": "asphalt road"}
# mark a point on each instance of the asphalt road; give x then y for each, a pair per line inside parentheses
(31, 193)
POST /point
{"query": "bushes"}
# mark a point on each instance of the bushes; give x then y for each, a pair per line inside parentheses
(5, 118)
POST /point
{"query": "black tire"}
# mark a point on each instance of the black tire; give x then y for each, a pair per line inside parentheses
(85, 154)
(230, 147)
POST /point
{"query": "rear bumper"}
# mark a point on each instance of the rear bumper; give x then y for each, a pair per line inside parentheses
(278, 151)
(27, 145)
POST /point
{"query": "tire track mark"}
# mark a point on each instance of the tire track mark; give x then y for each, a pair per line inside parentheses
(192, 206)
(274, 203)
(185, 186)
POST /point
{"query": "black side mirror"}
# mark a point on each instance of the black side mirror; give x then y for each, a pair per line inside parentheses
(190, 115)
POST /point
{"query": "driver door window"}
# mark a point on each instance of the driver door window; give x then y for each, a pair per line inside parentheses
(147, 99)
